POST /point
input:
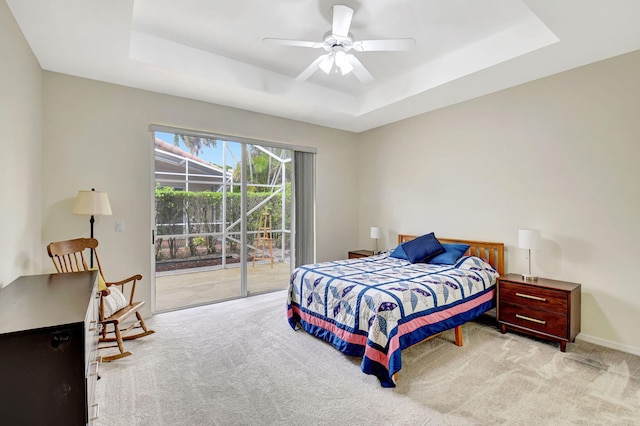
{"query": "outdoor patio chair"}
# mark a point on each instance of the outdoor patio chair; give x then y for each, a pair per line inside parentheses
(115, 308)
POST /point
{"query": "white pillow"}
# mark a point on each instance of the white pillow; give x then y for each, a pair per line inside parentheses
(114, 301)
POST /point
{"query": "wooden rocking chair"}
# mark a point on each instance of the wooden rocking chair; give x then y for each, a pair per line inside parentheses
(68, 256)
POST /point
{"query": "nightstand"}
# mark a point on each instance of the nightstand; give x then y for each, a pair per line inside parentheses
(548, 309)
(354, 254)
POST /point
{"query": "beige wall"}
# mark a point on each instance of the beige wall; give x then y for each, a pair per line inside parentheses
(20, 144)
(96, 136)
(559, 154)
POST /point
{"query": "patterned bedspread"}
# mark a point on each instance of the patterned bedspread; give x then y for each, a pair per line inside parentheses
(376, 306)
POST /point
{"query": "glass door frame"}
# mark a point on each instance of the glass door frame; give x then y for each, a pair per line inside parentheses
(245, 144)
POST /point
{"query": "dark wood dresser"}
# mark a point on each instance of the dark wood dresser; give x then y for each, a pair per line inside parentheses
(48, 349)
(549, 309)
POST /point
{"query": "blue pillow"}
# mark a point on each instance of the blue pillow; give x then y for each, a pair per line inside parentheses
(399, 253)
(422, 248)
(452, 253)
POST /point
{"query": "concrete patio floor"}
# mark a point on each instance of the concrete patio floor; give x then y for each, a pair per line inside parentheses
(180, 289)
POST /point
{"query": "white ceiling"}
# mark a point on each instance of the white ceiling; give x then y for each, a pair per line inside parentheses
(212, 50)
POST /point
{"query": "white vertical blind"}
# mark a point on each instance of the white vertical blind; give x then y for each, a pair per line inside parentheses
(304, 192)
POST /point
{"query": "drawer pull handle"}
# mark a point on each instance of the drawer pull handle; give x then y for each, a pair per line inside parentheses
(530, 319)
(96, 363)
(93, 325)
(96, 411)
(528, 296)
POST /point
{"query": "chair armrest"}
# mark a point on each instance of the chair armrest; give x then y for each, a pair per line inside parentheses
(126, 280)
(133, 279)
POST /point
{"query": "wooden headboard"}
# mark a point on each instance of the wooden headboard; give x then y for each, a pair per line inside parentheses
(493, 252)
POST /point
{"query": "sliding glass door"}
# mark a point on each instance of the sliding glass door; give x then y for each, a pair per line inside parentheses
(268, 195)
(223, 217)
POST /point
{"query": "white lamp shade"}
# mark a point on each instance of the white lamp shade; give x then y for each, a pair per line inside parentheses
(346, 68)
(92, 203)
(327, 63)
(529, 238)
(340, 57)
(375, 232)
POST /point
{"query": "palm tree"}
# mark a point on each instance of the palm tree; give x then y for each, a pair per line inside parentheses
(261, 168)
(195, 144)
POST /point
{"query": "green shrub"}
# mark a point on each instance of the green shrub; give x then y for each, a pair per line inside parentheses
(179, 212)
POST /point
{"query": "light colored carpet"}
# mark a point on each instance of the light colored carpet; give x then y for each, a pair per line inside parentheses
(239, 363)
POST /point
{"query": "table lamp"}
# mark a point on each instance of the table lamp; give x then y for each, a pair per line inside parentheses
(529, 239)
(375, 234)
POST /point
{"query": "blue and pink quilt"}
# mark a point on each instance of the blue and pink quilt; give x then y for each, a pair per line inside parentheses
(376, 306)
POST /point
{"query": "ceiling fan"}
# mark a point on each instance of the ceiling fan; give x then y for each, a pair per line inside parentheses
(338, 43)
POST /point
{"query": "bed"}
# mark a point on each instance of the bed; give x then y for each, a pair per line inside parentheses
(375, 307)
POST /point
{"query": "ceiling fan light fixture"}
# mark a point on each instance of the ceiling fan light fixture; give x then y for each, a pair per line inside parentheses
(338, 42)
(327, 63)
(341, 57)
(346, 67)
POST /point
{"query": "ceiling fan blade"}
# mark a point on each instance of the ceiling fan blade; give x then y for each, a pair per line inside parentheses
(311, 68)
(296, 43)
(359, 70)
(384, 45)
(341, 20)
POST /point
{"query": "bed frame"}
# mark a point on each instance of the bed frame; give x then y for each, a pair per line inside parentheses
(492, 252)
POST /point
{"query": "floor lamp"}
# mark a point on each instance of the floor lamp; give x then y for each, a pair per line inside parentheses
(92, 203)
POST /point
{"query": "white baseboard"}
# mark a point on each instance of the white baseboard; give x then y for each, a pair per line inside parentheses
(609, 344)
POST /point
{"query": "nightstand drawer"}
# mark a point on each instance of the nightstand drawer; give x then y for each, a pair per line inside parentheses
(534, 319)
(534, 297)
(356, 254)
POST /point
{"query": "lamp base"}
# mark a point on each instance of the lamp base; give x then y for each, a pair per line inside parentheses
(530, 278)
